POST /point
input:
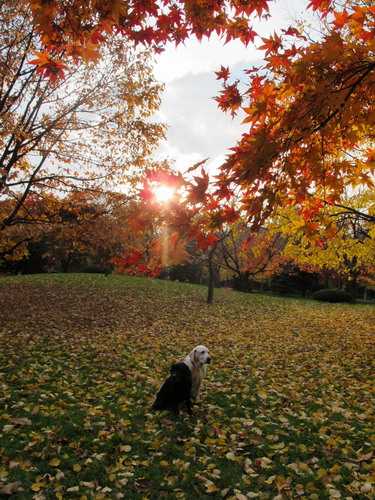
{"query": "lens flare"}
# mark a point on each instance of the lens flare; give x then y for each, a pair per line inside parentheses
(163, 193)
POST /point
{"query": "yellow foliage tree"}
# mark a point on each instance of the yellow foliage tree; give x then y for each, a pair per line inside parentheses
(345, 246)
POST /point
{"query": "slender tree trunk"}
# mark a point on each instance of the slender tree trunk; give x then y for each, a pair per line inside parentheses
(211, 276)
(354, 288)
(65, 263)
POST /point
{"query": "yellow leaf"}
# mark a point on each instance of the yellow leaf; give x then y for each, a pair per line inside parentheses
(125, 422)
(54, 462)
(335, 469)
(125, 448)
(211, 488)
(76, 467)
(303, 467)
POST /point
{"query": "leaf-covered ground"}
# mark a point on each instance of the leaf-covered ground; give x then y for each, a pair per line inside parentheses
(287, 408)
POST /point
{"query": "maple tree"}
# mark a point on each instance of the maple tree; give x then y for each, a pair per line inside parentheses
(76, 29)
(86, 131)
(310, 108)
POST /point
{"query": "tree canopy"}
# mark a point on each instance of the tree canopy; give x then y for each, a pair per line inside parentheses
(309, 107)
(82, 132)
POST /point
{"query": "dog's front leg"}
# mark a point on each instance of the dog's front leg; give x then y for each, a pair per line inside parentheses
(188, 404)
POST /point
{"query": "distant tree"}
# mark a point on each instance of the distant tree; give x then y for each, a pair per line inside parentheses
(248, 254)
(340, 245)
(34, 259)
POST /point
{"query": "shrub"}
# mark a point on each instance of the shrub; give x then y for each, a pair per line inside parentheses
(329, 295)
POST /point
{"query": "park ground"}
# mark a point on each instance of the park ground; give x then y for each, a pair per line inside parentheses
(287, 409)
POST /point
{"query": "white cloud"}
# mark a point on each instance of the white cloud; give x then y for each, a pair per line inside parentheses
(196, 57)
(197, 128)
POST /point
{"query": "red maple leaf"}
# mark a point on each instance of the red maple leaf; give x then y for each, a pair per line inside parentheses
(51, 68)
(341, 18)
(230, 98)
(229, 214)
(145, 194)
(223, 74)
(271, 45)
(204, 241)
(197, 192)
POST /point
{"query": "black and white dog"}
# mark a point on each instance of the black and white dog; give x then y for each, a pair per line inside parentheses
(175, 390)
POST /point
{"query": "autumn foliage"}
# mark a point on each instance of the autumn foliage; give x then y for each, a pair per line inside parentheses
(77, 28)
(309, 107)
(310, 111)
(67, 138)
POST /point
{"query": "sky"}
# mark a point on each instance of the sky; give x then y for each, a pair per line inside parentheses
(197, 128)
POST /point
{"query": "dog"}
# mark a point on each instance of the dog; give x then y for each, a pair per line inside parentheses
(197, 360)
(175, 390)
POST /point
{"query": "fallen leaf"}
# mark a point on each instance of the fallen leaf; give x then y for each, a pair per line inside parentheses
(10, 488)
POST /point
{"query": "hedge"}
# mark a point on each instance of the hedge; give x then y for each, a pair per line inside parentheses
(329, 295)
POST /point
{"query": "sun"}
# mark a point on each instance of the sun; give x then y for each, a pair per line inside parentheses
(163, 193)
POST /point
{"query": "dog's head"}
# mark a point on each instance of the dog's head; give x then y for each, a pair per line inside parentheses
(200, 355)
(180, 371)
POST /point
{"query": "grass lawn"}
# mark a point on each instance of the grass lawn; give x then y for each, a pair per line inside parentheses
(287, 409)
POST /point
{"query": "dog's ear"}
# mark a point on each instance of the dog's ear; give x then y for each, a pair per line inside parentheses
(192, 354)
(172, 367)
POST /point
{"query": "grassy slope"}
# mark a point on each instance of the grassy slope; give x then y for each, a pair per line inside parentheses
(287, 408)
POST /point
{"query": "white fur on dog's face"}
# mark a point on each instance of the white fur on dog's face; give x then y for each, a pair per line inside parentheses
(201, 355)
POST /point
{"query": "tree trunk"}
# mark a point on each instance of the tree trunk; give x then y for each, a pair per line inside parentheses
(211, 276)
(245, 283)
(354, 288)
(65, 263)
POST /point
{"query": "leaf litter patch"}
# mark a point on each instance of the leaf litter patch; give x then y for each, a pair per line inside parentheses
(287, 408)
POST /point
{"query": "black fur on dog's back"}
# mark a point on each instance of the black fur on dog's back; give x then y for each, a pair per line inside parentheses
(175, 390)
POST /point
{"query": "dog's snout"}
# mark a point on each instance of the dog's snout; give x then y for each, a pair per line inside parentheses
(208, 361)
